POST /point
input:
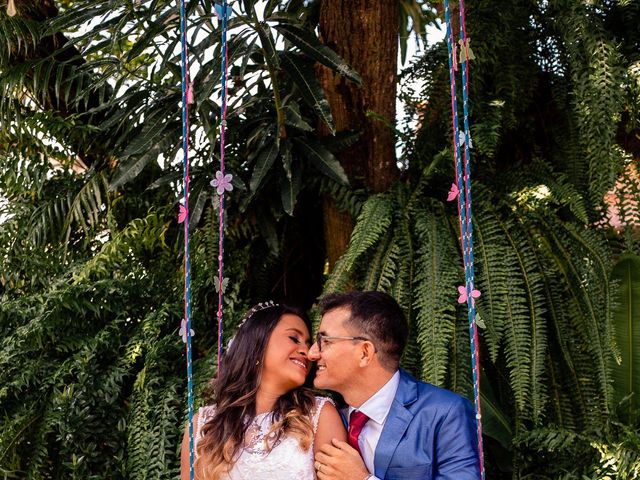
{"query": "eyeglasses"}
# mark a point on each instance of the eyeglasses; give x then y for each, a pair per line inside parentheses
(322, 339)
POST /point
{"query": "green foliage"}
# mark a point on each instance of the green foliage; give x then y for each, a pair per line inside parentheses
(436, 277)
(594, 70)
(546, 108)
(626, 321)
(91, 367)
(522, 264)
(610, 453)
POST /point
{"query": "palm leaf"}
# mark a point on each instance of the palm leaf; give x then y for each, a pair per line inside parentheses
(322, 159)
(309, 44)
(289, 189)
(131, 169)
(266, 158)
(626, 319)
(495, 421)
(303, 75)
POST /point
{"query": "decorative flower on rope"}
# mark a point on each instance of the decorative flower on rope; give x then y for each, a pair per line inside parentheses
(190, 93)
(219, 10)
(462, 290)
(219, 286)
(453, 193)
(222, 182)
(11, 8)
(462, 140)
(183, 330)
(466, 53)
(182, 214)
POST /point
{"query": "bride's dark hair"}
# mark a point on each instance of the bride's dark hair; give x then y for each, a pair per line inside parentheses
(235, 390)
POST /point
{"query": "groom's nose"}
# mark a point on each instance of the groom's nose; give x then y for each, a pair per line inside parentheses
(314, 352)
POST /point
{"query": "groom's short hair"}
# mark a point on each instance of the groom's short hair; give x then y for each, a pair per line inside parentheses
(376, 315)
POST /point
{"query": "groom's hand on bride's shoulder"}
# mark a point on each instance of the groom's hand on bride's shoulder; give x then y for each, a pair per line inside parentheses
(339, 461)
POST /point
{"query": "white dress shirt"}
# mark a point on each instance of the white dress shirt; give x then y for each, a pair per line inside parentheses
(377, 409)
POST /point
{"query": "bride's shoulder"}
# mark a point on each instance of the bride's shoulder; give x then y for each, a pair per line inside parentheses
(321, 401)
(327, 422)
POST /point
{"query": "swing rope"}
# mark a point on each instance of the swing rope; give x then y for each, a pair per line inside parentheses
(462, 190)
(222, 183)
(184, 217)
(223, 124)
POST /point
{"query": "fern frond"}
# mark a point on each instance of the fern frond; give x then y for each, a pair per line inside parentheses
(140, 233)
(373, 221)
(434, 294)
(488, 254)
(346, 198)
(537, 307)
(595, 69)
(518, 286)
(339, 278)
(389, 267)
(372, 273)
(583, 307)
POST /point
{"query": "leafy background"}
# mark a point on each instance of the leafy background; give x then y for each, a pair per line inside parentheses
(92, 381)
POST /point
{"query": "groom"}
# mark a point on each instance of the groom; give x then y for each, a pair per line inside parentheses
(399, 428)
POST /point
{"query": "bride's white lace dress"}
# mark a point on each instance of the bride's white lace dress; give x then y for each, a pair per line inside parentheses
(286, 461)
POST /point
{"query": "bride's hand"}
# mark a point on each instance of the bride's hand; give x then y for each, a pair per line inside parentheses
(339, 461)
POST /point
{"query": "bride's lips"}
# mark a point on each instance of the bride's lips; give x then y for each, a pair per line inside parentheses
(300, 363)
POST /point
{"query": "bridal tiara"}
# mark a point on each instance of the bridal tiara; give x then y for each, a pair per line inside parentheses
(257, 308)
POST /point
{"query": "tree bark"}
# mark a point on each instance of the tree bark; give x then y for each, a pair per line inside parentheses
(365, 34)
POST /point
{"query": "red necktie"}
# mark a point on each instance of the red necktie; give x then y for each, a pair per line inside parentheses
(357, 420)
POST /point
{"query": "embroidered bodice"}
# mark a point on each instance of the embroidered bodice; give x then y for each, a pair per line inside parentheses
(285, 461)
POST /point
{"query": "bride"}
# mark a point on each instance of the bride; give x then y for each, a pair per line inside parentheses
(264, 423)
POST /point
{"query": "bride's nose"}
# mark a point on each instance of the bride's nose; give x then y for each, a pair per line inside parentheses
(303, 349)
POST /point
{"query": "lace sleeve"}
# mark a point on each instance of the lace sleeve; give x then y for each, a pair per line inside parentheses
(320, 403)
(204, 415)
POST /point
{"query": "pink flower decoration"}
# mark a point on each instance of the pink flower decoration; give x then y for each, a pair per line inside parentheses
(222, 182)
(453, 193)
(462, 290)
(183, 330)
(190, 94)
(182, 215)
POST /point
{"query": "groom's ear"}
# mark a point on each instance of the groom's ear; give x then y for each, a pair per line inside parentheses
(367, 351)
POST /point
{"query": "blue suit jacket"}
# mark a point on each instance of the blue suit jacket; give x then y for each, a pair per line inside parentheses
(430, 434)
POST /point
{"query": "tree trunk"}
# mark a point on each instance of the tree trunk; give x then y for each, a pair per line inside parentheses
(365, 34)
